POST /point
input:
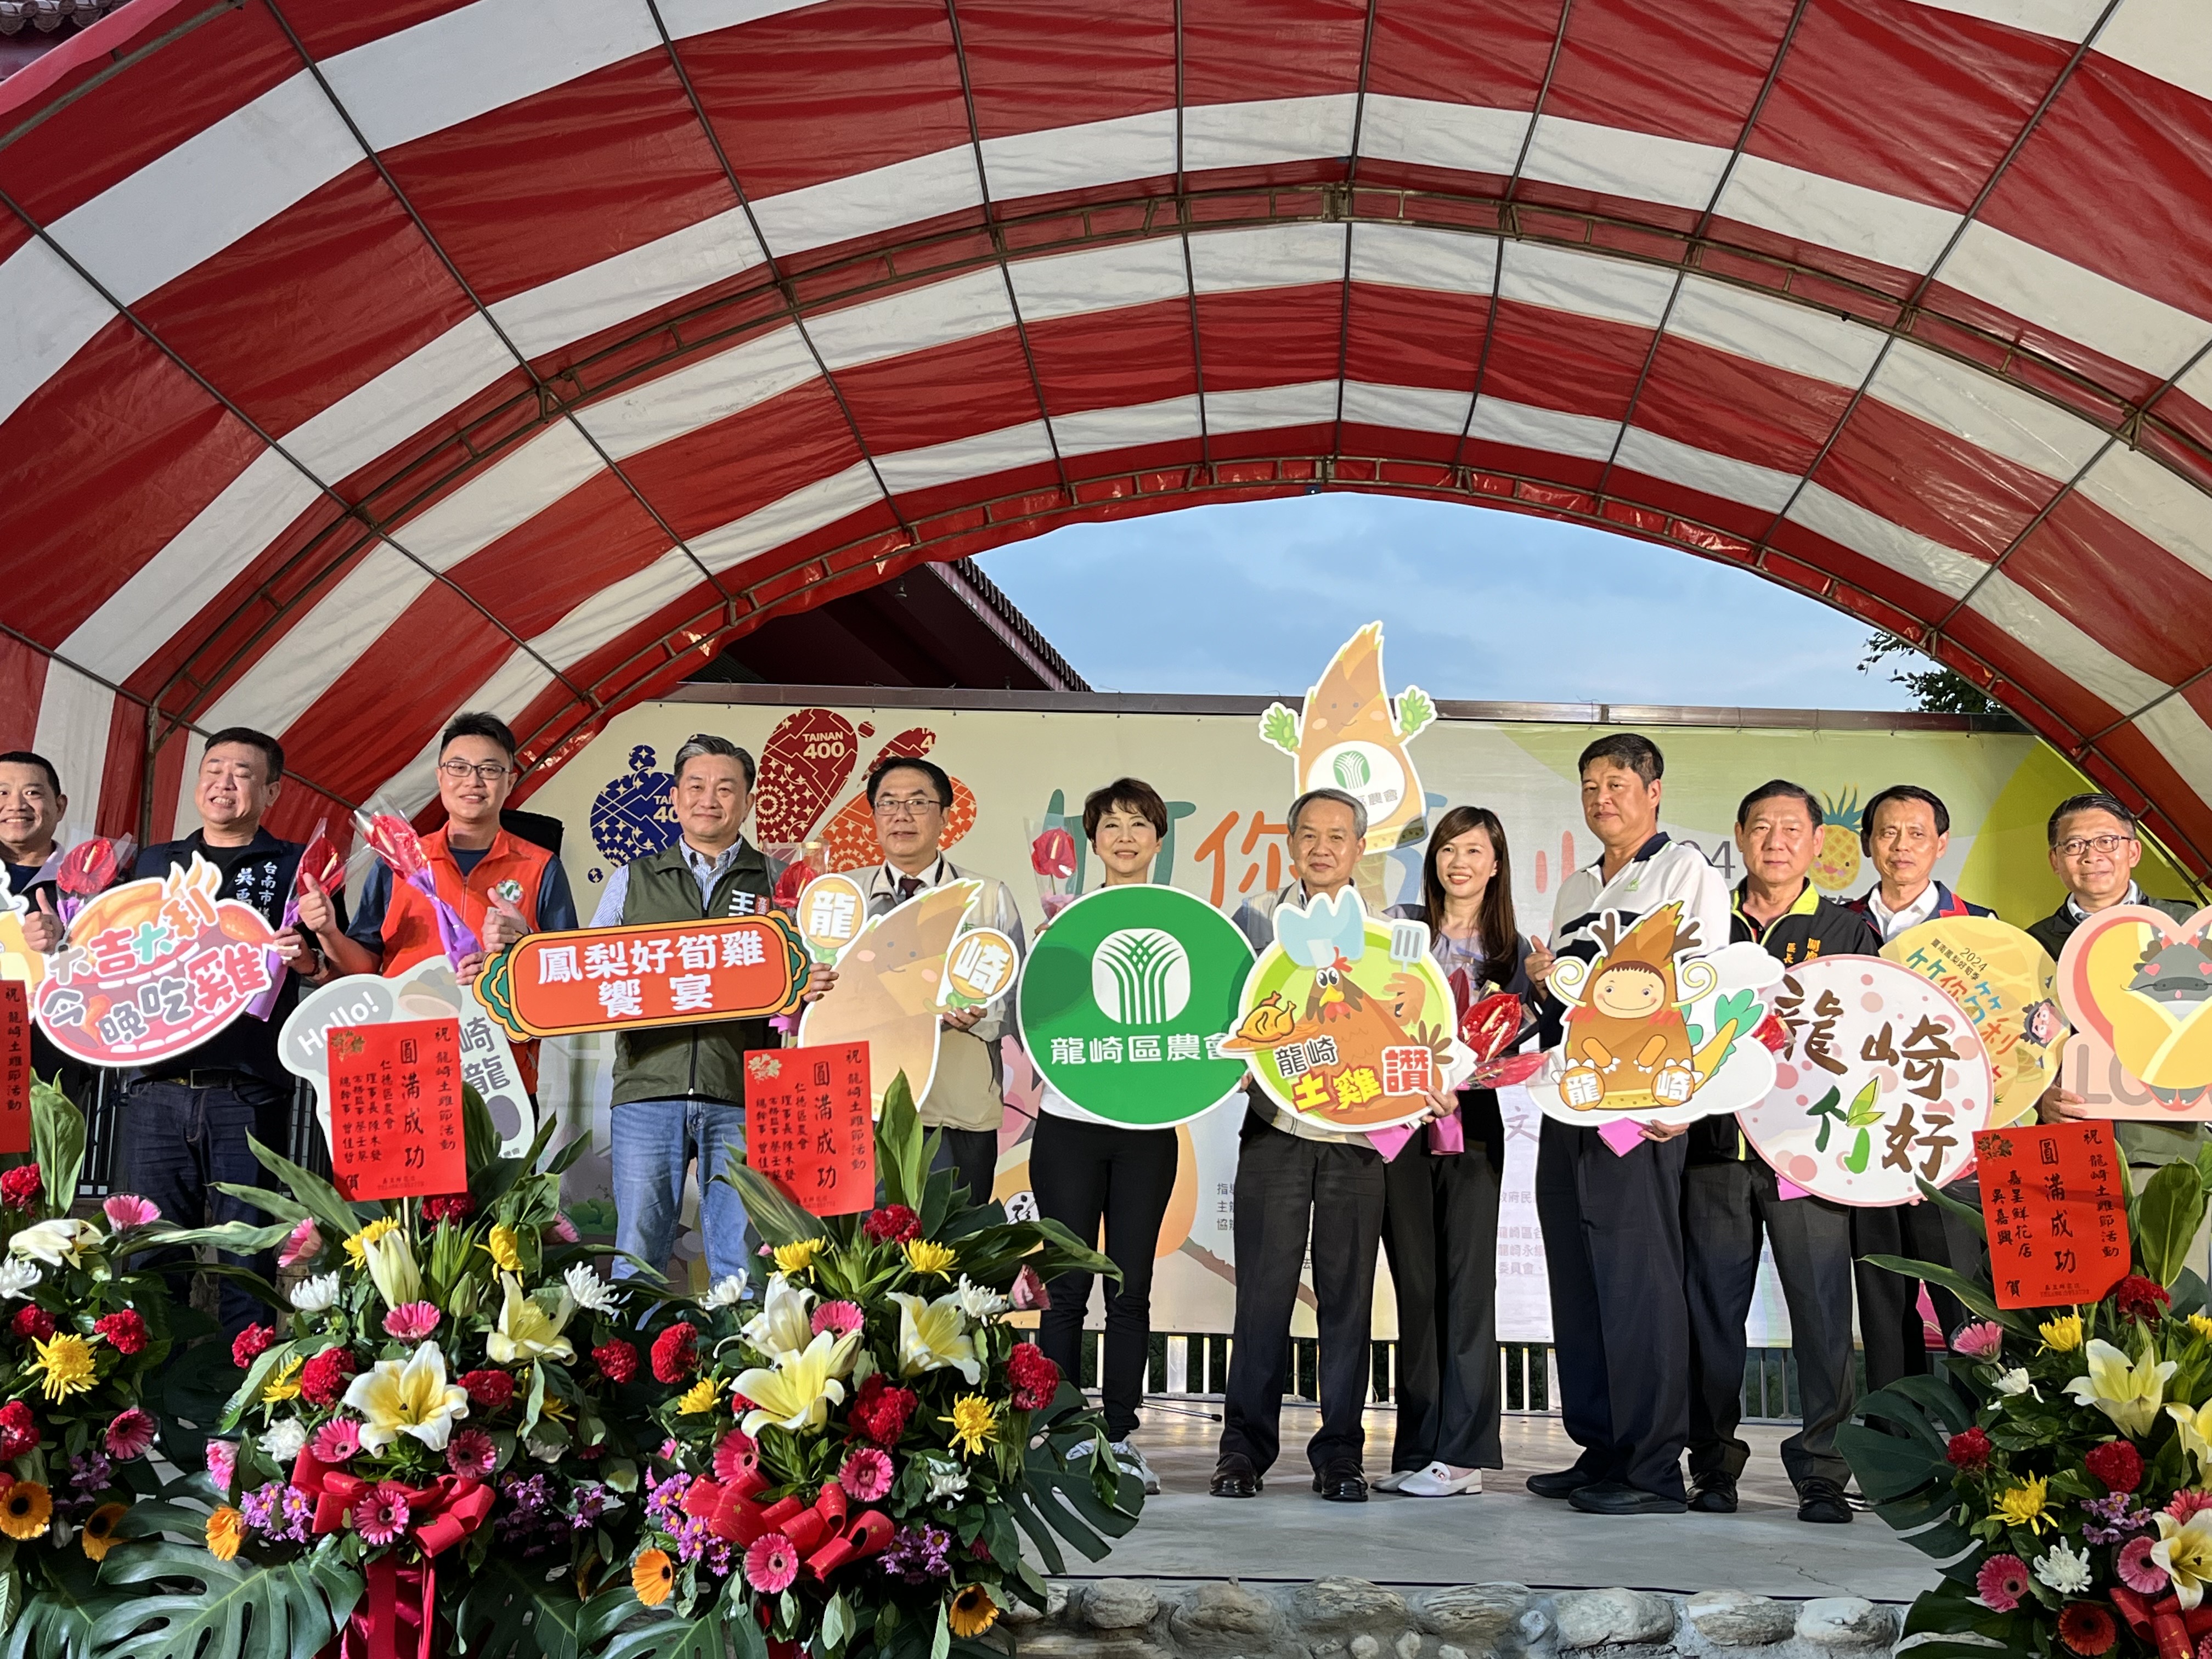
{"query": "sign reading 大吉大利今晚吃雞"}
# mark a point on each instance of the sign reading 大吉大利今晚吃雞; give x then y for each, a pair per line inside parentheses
(623, 978)
(1124, 1000)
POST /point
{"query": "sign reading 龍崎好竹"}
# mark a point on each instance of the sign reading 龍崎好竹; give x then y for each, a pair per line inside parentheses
(620, 979)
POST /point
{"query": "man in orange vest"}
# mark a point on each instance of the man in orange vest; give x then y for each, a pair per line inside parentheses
(503, 886)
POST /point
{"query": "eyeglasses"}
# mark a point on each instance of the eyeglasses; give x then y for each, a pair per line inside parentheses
(490, 772)
(2082, 846)
(907, 806)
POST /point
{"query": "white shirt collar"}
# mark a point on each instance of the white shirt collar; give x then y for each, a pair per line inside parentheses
(2074, 905)
(888, 875)
(1894, 922)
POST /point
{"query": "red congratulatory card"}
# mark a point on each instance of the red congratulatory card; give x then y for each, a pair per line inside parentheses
(2057, 1219)
(14, 1067)
(808, 1127)
(395, 1099)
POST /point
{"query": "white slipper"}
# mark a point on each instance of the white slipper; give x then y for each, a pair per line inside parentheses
(1438, 1481)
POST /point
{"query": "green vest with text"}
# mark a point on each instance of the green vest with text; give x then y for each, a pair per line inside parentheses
(668, 1062)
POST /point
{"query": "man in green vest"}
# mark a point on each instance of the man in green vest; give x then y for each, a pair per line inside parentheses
(679, 1090)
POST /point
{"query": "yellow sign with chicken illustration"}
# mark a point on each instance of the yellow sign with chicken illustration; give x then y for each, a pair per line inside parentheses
(1352, 737)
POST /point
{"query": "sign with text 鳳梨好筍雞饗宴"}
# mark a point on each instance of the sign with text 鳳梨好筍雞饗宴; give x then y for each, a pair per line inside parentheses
(623, 978)
(1125, 999)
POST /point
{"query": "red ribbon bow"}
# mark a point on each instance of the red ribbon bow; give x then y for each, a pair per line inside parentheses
(823, 1533)
(439, 1515)
(2163, 1623)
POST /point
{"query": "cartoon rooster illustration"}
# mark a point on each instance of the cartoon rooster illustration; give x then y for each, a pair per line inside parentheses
(2161, 1030)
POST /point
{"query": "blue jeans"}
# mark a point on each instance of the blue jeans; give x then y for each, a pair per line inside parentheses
(654, 1141)
(177, 1142)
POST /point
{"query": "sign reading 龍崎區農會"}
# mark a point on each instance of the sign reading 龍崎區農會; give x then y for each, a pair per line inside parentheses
(1125, 999)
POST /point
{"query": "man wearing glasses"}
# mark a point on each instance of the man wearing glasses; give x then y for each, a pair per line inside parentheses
(908, 797)
(2094, 850)
(503, 886)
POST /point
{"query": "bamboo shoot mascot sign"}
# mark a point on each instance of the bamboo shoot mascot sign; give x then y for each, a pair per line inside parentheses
(1657, 1032)
(1352, 738)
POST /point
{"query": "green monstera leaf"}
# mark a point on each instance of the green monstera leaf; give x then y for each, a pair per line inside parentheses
(178, 1602)
(57, 1621)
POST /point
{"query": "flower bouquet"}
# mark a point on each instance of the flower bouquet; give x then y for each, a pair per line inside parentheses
(430, 1457)
(852, 1465)
(2062, 1469)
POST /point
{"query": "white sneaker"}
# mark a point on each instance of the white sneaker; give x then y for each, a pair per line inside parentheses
(1391, 1481)
(1438, 1481)
(1134, 1460)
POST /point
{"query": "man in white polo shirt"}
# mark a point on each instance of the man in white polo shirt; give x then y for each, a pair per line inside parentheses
(1613, 1223)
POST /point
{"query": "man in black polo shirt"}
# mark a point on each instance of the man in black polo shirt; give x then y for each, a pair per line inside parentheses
(31, 808)
(185, 1120)
(1729, 1195)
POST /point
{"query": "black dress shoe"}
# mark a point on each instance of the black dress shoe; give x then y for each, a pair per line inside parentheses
(1822, 1502)
(1611, 1497)
(1715, 1495)
(1235, 1477)
(1562, 1483)
(1341, 1482)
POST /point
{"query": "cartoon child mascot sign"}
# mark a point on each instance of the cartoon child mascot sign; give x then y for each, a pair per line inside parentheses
(1657, 1032)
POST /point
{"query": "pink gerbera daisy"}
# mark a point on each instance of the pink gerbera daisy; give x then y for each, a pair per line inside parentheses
(563, 1228)
(2186, 1503)
(734, 1455)
(470, 1452)
(128, 1210)
(2137, 1570)
(379, 1514)
(840, 1317)
(1984, 1340)
(221, 1462)
(771, 1563)
(335, 1440)
(412, 1321)
(2001, 1582)
(129, 1435)
(867, 1475)
(305, 1244)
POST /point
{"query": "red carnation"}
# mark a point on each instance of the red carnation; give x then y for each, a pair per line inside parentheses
(880, 1412)
(125, 1331)
(33, 1323)
(616, 1360)
(1969, 1450)
(2087, 1629)
(676, 1352)
(457, 1207)
(1033, 1377)
(19, 1430)
(2118, 1464)
(251, 1343)
(489, 1390)
(323, 1379)
(19, 1187)
(2140, 1298)
(894, 1224)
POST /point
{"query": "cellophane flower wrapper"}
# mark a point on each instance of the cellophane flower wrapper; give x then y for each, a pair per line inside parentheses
(387, 833)
(2058, 1465)
(852, 1461)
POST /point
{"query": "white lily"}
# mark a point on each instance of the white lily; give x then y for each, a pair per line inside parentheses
(784, 1324)
(391, 1268)
(525, 1329)
(411, 1397)
(316, 1295)
(63, 1239)
(2127, 1393)
(797, 1392)
(2015, 1381)
(589, 1291)
(934, 1336)
(2183, 1553)
(2196, 1433)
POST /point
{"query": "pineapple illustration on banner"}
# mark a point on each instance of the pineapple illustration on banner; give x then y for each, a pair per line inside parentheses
(1836, 863)
(1352, 737)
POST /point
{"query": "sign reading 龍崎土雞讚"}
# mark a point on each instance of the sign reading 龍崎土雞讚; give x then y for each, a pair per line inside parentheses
(620, 979)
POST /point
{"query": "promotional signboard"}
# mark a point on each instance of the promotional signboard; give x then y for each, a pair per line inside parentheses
(2003, 981)
(628, 978)
(2137, 985)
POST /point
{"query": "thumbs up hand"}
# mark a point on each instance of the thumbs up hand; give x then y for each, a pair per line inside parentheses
(504, 925)
(42, 927)
(316, 915)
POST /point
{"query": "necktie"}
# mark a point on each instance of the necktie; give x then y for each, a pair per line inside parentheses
(907, 887)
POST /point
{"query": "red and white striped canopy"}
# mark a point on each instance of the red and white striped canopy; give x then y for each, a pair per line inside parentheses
(365, 360)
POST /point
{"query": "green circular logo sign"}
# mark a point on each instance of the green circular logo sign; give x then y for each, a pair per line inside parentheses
(1124, 999)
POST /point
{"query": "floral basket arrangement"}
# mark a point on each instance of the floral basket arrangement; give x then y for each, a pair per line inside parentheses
(852, 1465)
(430, 1461)
(2062, 1470)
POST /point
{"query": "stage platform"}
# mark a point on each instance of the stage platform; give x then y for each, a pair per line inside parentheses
(1288, 1534)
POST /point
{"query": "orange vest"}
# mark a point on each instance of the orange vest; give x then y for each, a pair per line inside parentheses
(410, 924)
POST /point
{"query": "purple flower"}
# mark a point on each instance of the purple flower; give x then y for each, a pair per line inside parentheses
(2114, 1513)
(918, 1553)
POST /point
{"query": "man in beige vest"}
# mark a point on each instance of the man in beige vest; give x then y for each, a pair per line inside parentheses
(909, 798)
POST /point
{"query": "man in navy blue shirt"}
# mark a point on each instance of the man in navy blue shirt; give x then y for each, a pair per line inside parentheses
(185, 1120)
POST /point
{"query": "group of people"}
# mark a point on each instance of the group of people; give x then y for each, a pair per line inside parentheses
(1653, 1255)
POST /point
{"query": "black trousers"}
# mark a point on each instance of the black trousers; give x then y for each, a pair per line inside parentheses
(1889, 1311)
(1620, 1325)
(972, 1155)
(1725, 1207)
(1440, 1233)
(1286, 1189)
(1083, 1174)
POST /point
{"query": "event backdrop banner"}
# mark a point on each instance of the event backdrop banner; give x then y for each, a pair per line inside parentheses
(1023, 761)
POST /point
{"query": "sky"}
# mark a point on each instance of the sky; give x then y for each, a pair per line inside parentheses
(1253, 598)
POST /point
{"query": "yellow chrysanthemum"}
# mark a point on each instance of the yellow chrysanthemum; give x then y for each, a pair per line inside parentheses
(972, 1611)
(699, 1397)
(25, 1510)
(2201, 1323)
(285, 1384)
(99, 1535)
(652, 1575)
(357, 1247)
(797, 1258)
(975, 1424)
(66, 1360)
(226, 1531)
(505, 1251)
(927, 1256)
(2061, 1334)
(2027, 1505)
